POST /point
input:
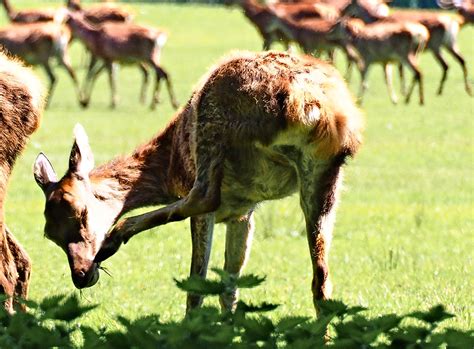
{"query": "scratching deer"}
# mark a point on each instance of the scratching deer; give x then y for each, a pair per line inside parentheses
(38, 44)
(20, 111)
(260, 126)
(124, 43)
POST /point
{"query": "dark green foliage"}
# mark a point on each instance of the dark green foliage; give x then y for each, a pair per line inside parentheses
(51, 324)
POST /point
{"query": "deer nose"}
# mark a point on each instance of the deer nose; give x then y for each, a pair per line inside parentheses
(81, 273)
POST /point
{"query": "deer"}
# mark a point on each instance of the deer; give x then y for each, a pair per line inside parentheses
(259, 126)
(21, 105)
(33, 15)
(387, 42)
(298, 11)
(443, 29)
(263, 18)
(124, 43)
(98, 14)
(38, 44)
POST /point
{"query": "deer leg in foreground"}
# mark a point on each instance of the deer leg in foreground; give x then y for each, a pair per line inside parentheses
(203, 198)
(238, 241)
(454, 50)
(52, 81)
(388, 70)
(444, 66)
(112, 72)
(23, 266)
(201, 233)
(146, 74)
(319, 191)
(417, 78)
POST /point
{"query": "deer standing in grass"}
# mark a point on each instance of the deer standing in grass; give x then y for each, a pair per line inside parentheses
(32, 16)
(386, 43)
(38, 44)
(123, 43)
(260, 126)
(20, 111)
(442, 27)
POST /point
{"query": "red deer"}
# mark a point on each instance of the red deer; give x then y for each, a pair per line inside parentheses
(260, 126)
(32, 16)
(387, 42)
(443, 29)
(305, 10)
(125, 43)
(98, 14)
(38, 44)
(20, 111)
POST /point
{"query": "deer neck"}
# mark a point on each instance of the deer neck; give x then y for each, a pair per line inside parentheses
(154, 174)
(8, 7)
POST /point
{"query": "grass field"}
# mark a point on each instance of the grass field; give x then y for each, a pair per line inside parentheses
(404, 234)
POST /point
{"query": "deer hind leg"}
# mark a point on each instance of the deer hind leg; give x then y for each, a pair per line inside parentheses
(239, 237)
(95, 67)
(144, 70)
(112, 71)
(162, 74)
(454, 50)
(23, 266)
(52, 81)
(417, 78)
(203, 198)
(403, 87)
(319, 191)
(444, 66)
(363, 69)
(201, 233)
(388, 70)
(65, 61)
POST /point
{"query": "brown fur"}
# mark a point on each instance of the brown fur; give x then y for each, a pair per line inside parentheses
(39, 44)
(121, 43)
(20, 111)
(259, 126)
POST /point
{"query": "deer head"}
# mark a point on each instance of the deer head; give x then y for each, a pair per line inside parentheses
(76, 219)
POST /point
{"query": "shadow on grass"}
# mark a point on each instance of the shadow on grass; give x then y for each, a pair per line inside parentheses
(50, 324)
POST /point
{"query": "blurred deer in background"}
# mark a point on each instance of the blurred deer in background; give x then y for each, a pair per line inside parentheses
(38, 44)
(465, 8)
(33, 15)
(260, 126)
(385, 43)
(21, 102)
(125, 43)
(443, 29)
(98, 14)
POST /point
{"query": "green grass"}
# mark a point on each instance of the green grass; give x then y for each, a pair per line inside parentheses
(404, 235)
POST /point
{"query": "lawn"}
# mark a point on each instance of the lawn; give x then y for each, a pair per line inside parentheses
(403, 239)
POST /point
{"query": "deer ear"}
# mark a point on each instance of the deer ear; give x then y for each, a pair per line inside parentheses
(81, 160)
(44, 172)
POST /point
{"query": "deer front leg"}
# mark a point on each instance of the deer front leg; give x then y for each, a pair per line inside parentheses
(238, 241)
(319, 191)
(388, 70)
(201, 234)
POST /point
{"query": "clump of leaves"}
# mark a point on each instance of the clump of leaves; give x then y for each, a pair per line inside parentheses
(47, 325)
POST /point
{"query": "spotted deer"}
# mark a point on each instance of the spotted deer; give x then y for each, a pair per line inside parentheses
(20, 111)
(260, 126)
